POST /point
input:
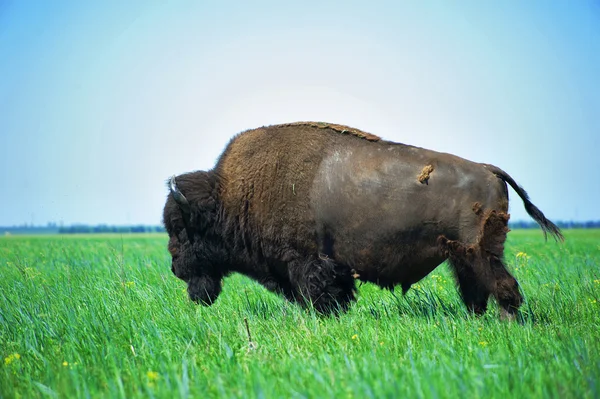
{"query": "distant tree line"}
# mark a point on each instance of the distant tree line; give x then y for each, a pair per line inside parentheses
(53, 228)
(83, 228)
(563, 225)
(103, 228)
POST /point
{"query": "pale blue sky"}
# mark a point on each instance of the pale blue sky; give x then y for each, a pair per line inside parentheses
(102, 101)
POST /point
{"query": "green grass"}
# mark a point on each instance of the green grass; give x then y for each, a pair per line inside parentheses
(102, 316)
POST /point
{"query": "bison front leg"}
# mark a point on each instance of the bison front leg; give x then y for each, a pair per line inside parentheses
(328, 286)
(277, 286)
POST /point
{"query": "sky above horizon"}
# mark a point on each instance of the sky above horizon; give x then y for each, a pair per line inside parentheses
(100, 102)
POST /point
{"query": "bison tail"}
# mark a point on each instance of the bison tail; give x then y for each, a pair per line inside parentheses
(533, 211)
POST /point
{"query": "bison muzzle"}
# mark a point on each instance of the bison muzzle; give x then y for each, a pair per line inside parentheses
(307, 208)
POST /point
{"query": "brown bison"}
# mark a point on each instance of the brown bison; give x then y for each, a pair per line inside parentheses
(307, 208)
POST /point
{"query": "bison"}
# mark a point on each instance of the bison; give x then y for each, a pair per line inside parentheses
(307, 208)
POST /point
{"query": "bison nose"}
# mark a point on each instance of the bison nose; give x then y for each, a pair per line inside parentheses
(204, 290)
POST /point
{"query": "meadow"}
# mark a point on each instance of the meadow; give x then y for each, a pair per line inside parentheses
(102, 316)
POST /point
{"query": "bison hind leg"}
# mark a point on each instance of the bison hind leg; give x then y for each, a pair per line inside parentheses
(482, 275)
(328, 286)
(470, 277)
(503, 285)
(473, 288)
(479, 268)
(506, 290)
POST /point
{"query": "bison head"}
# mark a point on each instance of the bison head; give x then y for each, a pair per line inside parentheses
(197, 257)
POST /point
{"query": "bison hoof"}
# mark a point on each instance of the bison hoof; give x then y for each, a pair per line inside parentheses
(509, 315)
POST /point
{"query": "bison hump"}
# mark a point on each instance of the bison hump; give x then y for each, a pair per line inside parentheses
(338, 128)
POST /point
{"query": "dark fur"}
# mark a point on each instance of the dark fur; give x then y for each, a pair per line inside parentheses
(306, 208)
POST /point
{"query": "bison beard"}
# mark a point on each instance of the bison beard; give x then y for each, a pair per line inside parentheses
(307, 208)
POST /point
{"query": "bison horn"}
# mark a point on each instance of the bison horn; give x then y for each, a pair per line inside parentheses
(178, 196)
(184, 205)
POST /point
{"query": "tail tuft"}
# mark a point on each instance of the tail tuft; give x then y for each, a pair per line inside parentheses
(546, 225)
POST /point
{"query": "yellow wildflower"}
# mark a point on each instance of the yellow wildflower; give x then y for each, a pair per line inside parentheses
(522, 255)
(11, 358)
(381, 343)
(483, 343)
(355, 336)
(65, 363)
(593, 301)
(152, 375)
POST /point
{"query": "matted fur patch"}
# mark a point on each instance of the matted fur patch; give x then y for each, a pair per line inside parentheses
(425, 174)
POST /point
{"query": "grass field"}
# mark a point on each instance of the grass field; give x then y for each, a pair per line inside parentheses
(102, 316)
